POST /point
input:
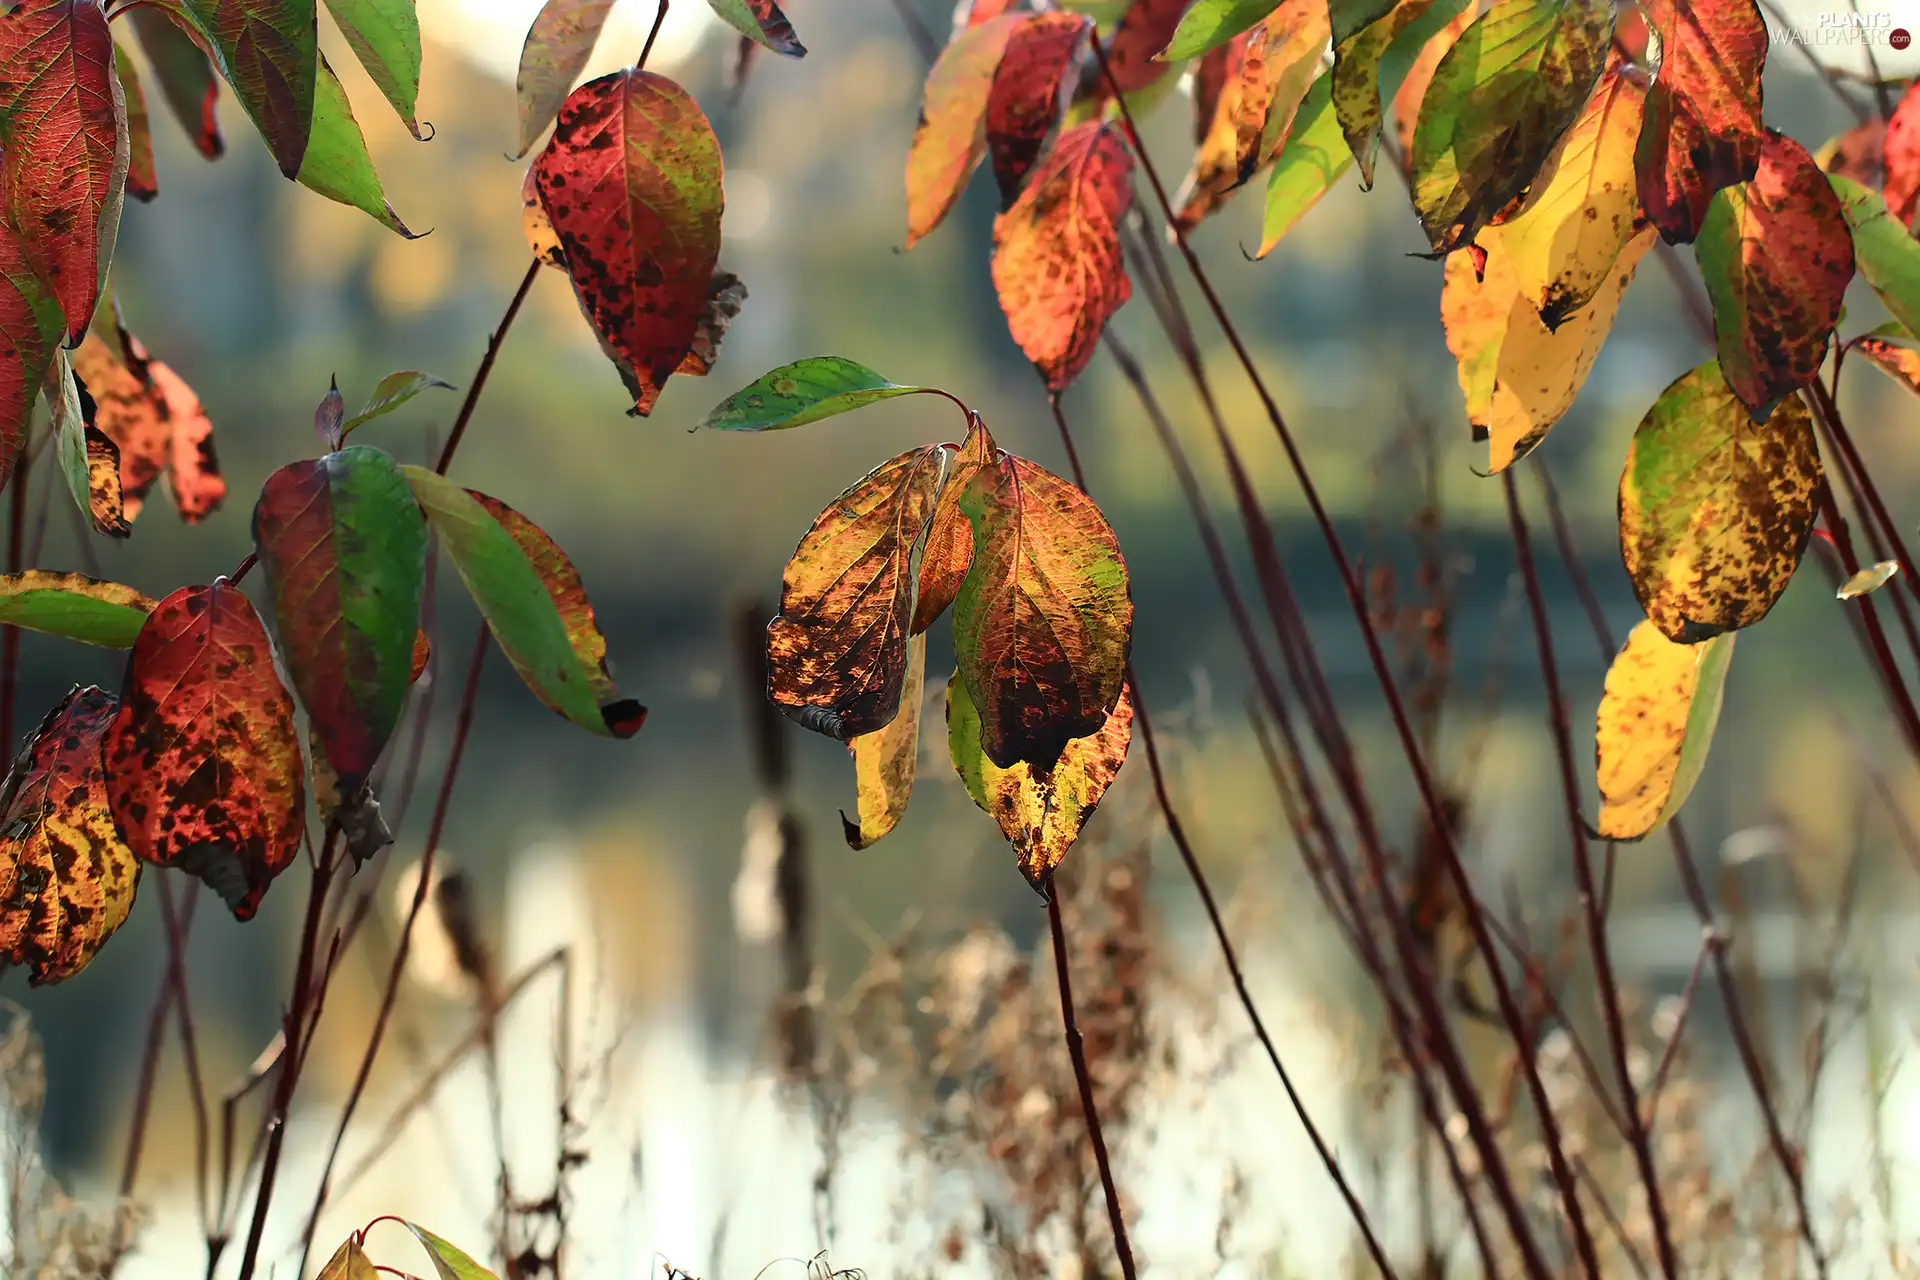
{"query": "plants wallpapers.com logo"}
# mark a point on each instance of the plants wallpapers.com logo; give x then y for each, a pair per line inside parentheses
(1840, 27)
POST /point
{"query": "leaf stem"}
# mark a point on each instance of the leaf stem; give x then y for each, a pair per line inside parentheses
(659, 20)
(1076, 1050)
(494, 340)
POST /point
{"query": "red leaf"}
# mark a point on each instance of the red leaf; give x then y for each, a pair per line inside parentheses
(143, 181)
(1860, 153)
(631, 183)
(187, 79)
(951, 136)
(1145, 29)
(1056, 253)
(67, 879)
(65, 160)
(155, 421)
(203, 767)
(975, 13)
(1210, 77)
(31, 327)
(1702, 130)
(1903, 157)
(1024, 102)
(1777, 256)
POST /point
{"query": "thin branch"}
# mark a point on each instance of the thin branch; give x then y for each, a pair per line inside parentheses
(498, 336)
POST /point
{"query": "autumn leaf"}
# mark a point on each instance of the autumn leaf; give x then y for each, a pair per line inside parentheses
(65, 159)
(884, 760)
(976, 13)
(951, 137)
(1655, 724)
(1024, 99)
(802, 392)
(1868, 580)
(73, 607)
(67, 879)
(1043, 622)
(1210, 24)
(1715, 508)
(156, 423)
(1210, 77)
(1501, 97)
(349, 1262)
(1413, 87)
(1314, 158)
(336, 163)
(1884, 251)
(269, 51)
(1216, 159)
(1859, 153)
(1902, 157)
(1146, 28)
(761, 22)
(1283, 58)
(143, 182)
(949, 550)
(385, 36)
(89, 461)
(31, 328)
(1362, 32)
(1518, 376)
(1583, 209)
(837, 652)
(631, 183)
(1040, 812)
(1902, 364)
(726, 296)
(558, 46)
(1702, 130)
(449, 1263)
(1777, 256)
(203, 767)
(393, 391)
(187, 77)
(344, 549)
(532, 598)
(1057, 264)
(537, 226)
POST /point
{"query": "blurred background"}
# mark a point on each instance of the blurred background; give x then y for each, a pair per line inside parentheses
(257, 291)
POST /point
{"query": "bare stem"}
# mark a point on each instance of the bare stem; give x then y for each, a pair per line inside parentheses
(494, 340)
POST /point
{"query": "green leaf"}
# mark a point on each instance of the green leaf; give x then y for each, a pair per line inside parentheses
(519, 605)
(349, 1262)
(1886, 254)
(448, 1262)
(74, 607)
(394, 390)
(1210, 24)
(385, 36)
(1315, 156)
(337, 165)
(761, 21)
(802, 392)
(268, 50)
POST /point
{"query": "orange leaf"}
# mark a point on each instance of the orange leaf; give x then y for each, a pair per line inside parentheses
(951, 138)
(943, 565)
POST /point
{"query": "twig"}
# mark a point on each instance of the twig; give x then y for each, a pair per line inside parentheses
(498, 336)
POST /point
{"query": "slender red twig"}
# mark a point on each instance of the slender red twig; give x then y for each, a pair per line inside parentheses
(498, 336)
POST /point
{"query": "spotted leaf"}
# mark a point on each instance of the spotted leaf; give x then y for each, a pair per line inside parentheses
(156, 424)
(950, 139)
(943, 566)
(884, 761)
(203, 765)
(1655, 724)
(73, 607)
(1702, 130)
(269, 51)
(1145, 28)
(761, 22)
(558, 46)
(631, 183)
(1363, 31)
(1715, 508)
(1902, 364)
(1023, 102)
(89, 461)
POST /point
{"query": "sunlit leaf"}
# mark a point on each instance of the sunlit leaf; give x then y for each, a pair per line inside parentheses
(1057, 264)
(1886, 254)
(1859, 154)
(1583, 209)
(949, 550)
(143, 182)
(67, 879)
(1702, 130)
(558, 46)
(884, 760)
(89, 461)
(837, 653)
(1282, 61)
(1024, 100)
(537, 226)
(187, 77)
(1043, 623)
(1655, 724)
(1777, 256)
(73, 607)
(1209, 80)
(531, 596)
(394, 390)
(336, 163)
(385, 36)
(203, 766)
(1216, 159)
(269, 51)
(1413, 88)
(762, 22)
(631, 183)
(1362, 31)
(951, 137)
(802, 392)
(1210, 24)
(1146, 27)
(1902, 364)
(726, 296)
(1715, 509)
(1501, 98)
(156, 423)
(1871, 578)
(344, 550)
(1040, 812)
(1518, 376)
(349, 1262)
(64, 164)
(975, 13)
(1314, 158)
(449, 1263)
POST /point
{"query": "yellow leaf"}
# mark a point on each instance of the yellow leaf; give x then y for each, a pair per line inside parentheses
(1871, 578)
(884, 760)
(1654, 727)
